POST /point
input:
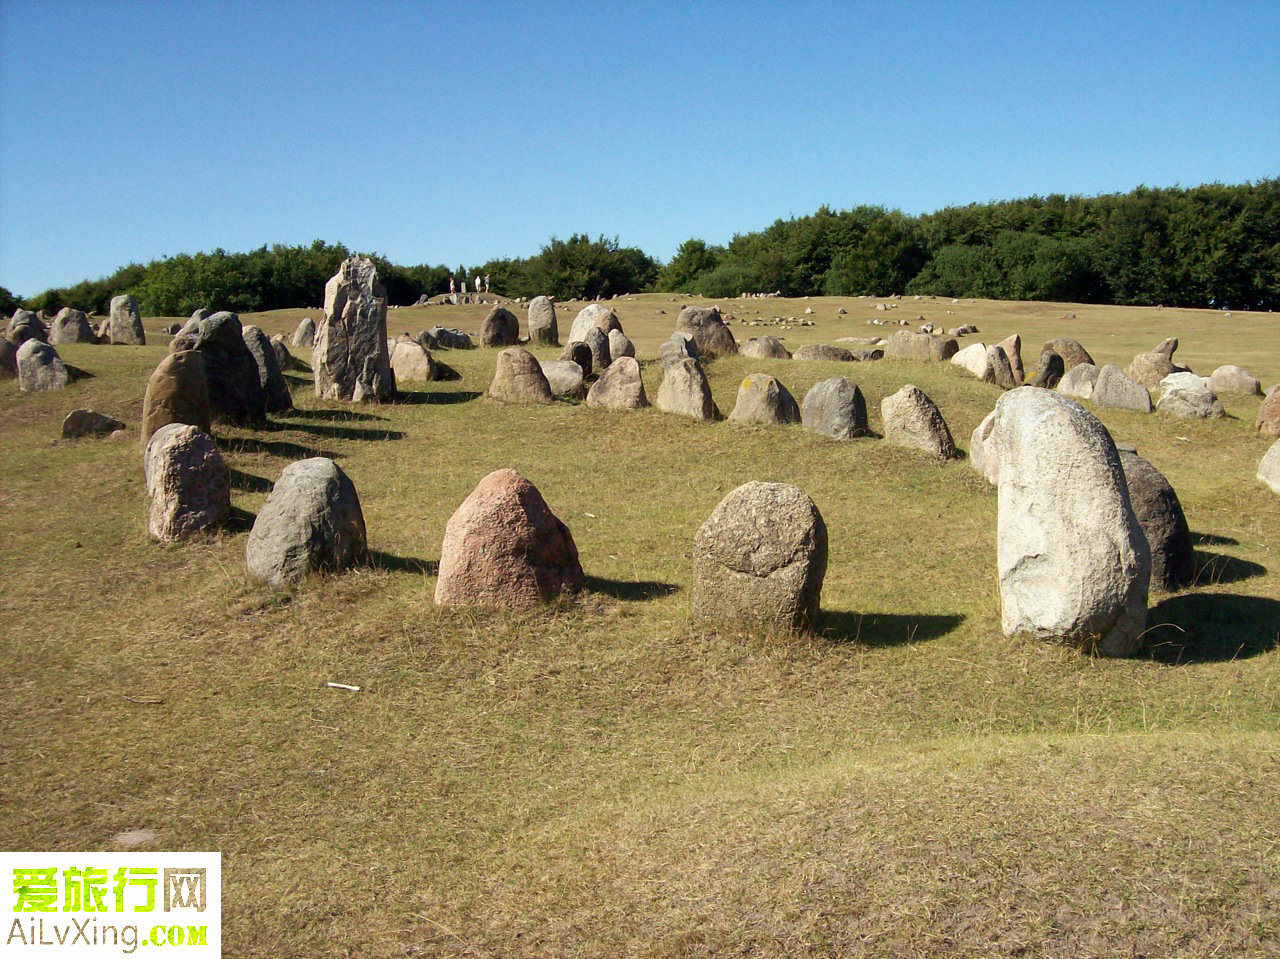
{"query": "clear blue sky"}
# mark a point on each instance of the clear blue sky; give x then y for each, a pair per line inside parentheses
(456, 132)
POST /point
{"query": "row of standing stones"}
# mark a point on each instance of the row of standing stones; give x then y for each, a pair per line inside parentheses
(1077, 548)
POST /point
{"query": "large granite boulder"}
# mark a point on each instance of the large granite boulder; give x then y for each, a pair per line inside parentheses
(764, 348)
(760, 559)
(619, 387)
(412, 363)
(823, 353)
(178, 392)
(1269, 468)
(982, 452)
(270, 376)
(40, 368)
(542, 322)
(1072, 353)
(620, 345)
(1079, 381)
(126, 322)
(1159, 513)
(685, 391)
(350, 360)
(708, 330)
(595, 316)
(284, 359)
(972, 359)
(764, 401)
(835, 407)
(999, 371)
(1150, 368)
(1186, 396)
(914, 421)
(565, 379)
(1073, 563)
(304, 337)
(578, 353)
(922, 347)
(311, 522)
(504, 548)
(500, 328)
(1012, 346)
(1234, 379)
(71, 326)
(1049, 370)
(188, 483)
(25, 325)
(1268, 420)
(447, 338)
(518, 378)
(597, 342)
(235, 387)
(8, 360)
(679, 347)
(1114, 390)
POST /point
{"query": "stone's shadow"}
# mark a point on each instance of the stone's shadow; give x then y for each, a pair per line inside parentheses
(1214, 568)
(298, 380)
(435, 399)
(75, 374)
(402, 564)
(446, 373)
(630, 591)
(248, 482)
(1212, 628)
(1212, 539)
(333, 416)
(885, 629)
(283, 448)
(240, 520)
(339, 432)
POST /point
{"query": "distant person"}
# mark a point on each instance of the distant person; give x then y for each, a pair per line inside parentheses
(464, 287)
(486, 282)
(477, 282)
(452, 289)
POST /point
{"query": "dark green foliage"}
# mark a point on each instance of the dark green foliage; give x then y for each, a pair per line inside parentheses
(576, 268)
(8, 302)
(692, 259)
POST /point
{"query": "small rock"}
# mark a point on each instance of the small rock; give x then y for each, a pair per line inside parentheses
(88, 423)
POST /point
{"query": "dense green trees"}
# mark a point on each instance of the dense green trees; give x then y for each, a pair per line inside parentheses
(1204, 246)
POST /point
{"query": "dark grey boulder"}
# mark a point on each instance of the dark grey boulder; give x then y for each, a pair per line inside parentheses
(835, 408)
(40, 368)
(597, 342)
(823, 353)
(126, 322)
(1049, 370)
(269, 375)
(71, 326)
(579, 353)
(1163, 523)
(708, 329)
(235, 387)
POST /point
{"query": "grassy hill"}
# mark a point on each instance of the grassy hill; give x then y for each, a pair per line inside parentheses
(604, 777)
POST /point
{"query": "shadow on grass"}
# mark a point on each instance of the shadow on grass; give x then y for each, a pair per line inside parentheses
(75, 374)
(1212, 539)
(248, 482)
(340, 432)
(292, 451)
(446, 373)
(402, 564)
(300, 380)
(1215, 568)
(886, 629)
(436, 399)
(334, 416)
(240, 520)
(637, 591)
(1212, 628)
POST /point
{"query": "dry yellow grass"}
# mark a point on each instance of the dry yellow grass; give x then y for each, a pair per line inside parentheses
(603, 777)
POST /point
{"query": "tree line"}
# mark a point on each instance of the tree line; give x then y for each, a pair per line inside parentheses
(1204, 246)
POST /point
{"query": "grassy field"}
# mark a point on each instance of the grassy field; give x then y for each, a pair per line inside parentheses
(603, 777)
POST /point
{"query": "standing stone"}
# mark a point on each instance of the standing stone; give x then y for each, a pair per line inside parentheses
(1269, 468)
(8, 360)
(1049, 370)
(1234, 379)
(412, 363)
(501, 328)
(1163, 523)
(913, 420)
(71, 326)
(593, 317)
(542, 322)
(679, 347)
(1268, 420)
(998, 371)
(518, 378)
(178, 392)
(597, 342)
(1073, 563)
(235, 386)
(304, 337)
(835, 408)
(88, 423)
(1115, 390)
(504, 548)
(1150, 368)
(284, 359)
(1185, 396)
(311, 521)
(972, 358)
(922, 347)
(126, 322)
(822, 353)
(685, 391)
(269, 376)
(188, 483)
(578, 353)
(1072, 353)
(620, 345)
(708, 330)
(1012, 346)
(765, 348)
(40, 368)
(25, 325)
(185, 337)
(760, 559)
(1079, 381)
(201, 314)
(450, 339)
(982, 453)
(764, 401)
(619, 387)
(565, 379)
(349, 360)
